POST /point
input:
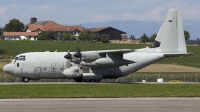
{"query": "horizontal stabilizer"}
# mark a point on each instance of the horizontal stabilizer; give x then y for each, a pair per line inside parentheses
(178, 54)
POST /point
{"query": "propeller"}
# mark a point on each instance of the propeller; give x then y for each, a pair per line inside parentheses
(68, 55)
(78, 53)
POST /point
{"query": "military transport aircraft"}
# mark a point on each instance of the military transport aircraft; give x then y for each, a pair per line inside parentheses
(93, 66)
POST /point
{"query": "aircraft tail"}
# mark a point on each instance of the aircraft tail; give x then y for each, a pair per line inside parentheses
(170, 38)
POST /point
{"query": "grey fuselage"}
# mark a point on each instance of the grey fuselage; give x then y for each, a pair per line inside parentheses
(37, 65)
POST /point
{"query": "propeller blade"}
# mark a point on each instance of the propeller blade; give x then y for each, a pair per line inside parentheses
(78, 53)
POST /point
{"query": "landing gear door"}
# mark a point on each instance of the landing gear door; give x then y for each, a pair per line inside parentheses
(117, 72)
(112, 71)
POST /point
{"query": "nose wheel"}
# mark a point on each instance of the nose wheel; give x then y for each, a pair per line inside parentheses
(25, 79)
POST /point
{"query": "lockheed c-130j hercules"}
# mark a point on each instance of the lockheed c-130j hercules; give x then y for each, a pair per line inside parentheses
(95, 65)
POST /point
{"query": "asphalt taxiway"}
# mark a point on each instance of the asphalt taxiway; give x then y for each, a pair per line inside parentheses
(101, 105)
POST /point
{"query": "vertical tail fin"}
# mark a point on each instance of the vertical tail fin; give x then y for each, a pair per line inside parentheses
(170, 38)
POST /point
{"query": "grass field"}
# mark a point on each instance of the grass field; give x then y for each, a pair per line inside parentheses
(162, 68)
(16, 47)
(99, 90)
(193, 61)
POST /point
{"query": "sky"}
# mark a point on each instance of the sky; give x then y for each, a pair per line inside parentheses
(77, 12)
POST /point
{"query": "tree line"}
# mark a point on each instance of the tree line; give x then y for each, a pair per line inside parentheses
(144, 38)
(1, 32)
(86, 36)
(196, 41)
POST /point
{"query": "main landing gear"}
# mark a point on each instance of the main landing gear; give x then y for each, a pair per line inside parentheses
(96, 80)
(87, 80)
(25, 79)
(78, 79)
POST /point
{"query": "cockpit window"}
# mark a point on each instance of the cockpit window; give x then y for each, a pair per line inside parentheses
(21, 58)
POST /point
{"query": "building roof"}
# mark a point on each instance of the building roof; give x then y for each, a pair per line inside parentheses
(44, 23)
(35, 27)
(20, 33)
(62, 28)
(102, 28)
(52, 26)
(96, 29)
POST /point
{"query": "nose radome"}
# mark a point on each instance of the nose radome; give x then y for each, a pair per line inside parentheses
(7, 69)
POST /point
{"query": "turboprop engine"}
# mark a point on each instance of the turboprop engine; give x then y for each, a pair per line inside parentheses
(82, 56)
(87, 56)
(73, 72)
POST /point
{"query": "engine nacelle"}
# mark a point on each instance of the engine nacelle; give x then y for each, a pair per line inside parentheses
(90, 56)
(73, 72)
(92, 76)
(83, 56)
(107, 62)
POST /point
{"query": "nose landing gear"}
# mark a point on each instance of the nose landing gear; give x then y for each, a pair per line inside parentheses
(25, 79)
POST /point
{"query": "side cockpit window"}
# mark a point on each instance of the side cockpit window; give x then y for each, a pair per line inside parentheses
(16, 58)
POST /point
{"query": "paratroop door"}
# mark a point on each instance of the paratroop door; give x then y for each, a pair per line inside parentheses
(53, 67)
(37, 71)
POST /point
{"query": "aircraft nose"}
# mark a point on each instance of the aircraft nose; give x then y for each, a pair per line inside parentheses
(8, 69)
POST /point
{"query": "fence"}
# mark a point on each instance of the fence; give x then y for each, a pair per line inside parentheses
(167, 77)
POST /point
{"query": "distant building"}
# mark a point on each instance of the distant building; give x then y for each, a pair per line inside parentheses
(42, 26)
(49, 25)
(20, 35)
(114, 34)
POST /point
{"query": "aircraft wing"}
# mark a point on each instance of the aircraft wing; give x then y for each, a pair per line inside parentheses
(123, 51)
(110, 58)
(114, 53)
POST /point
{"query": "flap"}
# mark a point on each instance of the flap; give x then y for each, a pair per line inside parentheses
(122, 51)
(114, 53)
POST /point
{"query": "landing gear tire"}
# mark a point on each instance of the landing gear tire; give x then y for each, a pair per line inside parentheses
(87, 80)
(78, 79)
(96, 80)
(25, 79)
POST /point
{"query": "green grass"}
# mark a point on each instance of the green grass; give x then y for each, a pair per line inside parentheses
(99, 90)
(16, 47)
(193, 61)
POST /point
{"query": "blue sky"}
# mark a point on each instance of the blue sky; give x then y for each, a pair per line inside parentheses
(75, 12)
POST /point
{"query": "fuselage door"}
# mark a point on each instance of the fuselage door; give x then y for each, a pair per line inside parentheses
(37, 71)
(68, 63)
